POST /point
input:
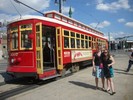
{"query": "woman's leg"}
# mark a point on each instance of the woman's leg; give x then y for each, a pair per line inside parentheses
(108, 85)
(112, 85)
(103, 81)
(96, 81)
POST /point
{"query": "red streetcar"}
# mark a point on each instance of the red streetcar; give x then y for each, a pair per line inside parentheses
(46, 47)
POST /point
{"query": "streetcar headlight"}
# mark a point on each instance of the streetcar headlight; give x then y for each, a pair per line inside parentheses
(13, 60)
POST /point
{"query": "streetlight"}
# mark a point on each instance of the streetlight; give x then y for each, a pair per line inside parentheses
(60, 4)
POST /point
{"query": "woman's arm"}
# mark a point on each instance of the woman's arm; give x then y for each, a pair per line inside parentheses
(113, 61)
(93, 61)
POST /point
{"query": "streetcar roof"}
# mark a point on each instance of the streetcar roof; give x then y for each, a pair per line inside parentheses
(27, 17)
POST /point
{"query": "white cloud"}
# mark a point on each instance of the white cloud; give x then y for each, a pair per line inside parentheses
(120, 34)
(65, 10)
(121, 20)
(6, 6)
(114, 6)
(8, 11)
(100, 25)
(129, 24)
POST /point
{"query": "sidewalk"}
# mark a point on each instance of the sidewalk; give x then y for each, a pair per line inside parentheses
(81, 86)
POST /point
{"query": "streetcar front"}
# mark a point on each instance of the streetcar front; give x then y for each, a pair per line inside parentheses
(20, 46)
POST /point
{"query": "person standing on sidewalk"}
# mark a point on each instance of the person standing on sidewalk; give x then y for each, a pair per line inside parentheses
(130, 61)
(108, 61)
(98, 67)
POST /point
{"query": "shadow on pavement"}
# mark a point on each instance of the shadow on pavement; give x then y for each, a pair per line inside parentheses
(118, 69)
(126, 73)
(121, 71)
(83, 84)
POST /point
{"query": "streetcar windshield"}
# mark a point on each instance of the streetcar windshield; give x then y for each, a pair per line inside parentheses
(25, 31)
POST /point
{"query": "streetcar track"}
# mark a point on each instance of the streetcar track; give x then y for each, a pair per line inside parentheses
(27, 85)
(17, 91)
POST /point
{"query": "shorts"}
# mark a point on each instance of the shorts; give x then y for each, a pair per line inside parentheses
(108, 72)
(99, 72)
(111, 70)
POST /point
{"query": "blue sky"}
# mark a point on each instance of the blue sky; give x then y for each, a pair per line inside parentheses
(114, 16)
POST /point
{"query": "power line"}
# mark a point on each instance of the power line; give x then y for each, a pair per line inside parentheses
(17, 1)
(16, 9)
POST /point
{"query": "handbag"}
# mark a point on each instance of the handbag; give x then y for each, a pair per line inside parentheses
(93, 72)
(101, 66)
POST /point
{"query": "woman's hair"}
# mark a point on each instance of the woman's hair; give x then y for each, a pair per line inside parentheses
(108, 54)
(99, 47)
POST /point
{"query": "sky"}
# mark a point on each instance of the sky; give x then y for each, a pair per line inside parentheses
(114, 17)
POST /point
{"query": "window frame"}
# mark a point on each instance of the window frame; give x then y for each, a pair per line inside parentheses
(29, 27)
(14, 30)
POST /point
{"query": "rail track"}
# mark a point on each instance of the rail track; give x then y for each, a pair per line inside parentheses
(21, 85)
(18, 86)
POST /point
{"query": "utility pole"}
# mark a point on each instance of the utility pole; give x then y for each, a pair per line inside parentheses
(109, 41)
(60, 4)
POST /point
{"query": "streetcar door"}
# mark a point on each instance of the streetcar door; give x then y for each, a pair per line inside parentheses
(59, 48)
(48, 45)
(39, 61)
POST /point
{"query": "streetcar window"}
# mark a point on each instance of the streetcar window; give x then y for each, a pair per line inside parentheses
(25, 31)
(82, 36)
(93, 43)
(66, 33)
(37, 28)
(25, 41)
(86, 42)
(90, 41)
(72, 34)
(72, 43)
(14, 39)
(26, 26)
(78, 43)
(78, 35)
(86, 37)
(82, 43)
(72, 40)
(66, 42)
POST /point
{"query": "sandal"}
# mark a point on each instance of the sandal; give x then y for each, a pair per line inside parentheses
(103, 89)
(108, 90)
(113, 93)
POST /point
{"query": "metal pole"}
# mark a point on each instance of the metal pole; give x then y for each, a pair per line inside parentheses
(60, 6)
(109, 40)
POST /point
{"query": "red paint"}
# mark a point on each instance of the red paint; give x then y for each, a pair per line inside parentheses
(78, 54)
(66, 56)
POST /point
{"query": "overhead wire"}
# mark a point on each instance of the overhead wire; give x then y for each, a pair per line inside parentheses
(16, 9)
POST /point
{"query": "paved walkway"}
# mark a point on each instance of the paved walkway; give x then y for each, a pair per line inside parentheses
(81, 86)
